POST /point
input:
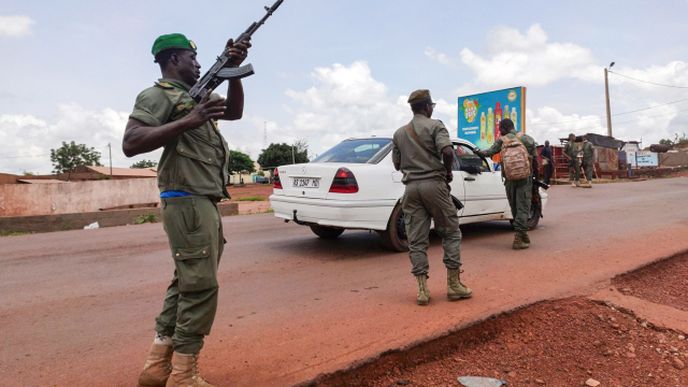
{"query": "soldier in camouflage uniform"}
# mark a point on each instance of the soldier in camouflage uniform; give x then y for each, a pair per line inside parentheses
(518, 192)
(424, 153)
(571, 153)
(588, 153)
(192, 177)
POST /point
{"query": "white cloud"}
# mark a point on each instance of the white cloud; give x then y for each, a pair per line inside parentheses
(28, 139)
(529, 59)
(15, 26)
(437, 56)
(547, 123)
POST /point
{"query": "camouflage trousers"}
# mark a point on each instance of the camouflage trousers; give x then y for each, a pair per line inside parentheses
(426, 200)
(194, 230)
(520, 194)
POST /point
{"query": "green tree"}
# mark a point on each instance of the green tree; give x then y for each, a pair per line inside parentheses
(240, 163)
(144, 164)
(281, 154)
(71, 155)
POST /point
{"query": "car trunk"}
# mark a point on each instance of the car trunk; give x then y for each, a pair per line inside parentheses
(312, 180)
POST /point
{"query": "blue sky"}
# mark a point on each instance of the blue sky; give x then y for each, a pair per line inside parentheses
(328, 70)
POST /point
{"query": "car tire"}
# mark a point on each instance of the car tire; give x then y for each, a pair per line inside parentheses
(326, 232)
(394, 237)
(533, 217)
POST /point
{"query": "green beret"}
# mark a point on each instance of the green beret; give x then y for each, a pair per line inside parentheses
(419, 96)
(178, 41)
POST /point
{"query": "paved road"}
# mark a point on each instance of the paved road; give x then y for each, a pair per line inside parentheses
(77, 307)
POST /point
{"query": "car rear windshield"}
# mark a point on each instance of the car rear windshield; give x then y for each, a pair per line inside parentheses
(355, 151)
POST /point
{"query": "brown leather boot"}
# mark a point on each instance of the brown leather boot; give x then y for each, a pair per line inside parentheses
(185, 372)
(158, 366)
(455, 289)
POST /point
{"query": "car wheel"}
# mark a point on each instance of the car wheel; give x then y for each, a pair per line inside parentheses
(394, 238)
(326, 232)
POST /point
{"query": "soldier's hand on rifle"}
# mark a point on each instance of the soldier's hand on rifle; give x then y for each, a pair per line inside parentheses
(207, 109)
(237, 52)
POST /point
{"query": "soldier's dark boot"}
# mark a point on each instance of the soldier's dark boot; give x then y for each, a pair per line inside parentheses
(158, 366)
(185, 372)
(455, 289)
(519, 243)
(526, 238)
(423, 292)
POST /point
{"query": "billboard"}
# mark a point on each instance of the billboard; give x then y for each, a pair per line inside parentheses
(479, 114)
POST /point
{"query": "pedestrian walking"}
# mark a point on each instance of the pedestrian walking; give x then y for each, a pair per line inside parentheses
(571, 154)
(424, 153)
(192, 177)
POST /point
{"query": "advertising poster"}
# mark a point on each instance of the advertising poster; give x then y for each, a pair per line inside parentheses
(479, 114)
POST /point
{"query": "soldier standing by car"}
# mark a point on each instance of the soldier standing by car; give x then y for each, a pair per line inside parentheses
(424, 153)
(192, 177)
(518, 190)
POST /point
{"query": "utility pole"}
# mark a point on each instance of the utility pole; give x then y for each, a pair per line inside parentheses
(606, 97)
(293, 157)
(110, 152)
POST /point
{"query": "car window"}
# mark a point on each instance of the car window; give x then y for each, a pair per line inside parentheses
(465, 156)
(354, 151)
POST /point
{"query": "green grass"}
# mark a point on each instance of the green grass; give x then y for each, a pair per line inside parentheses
(150, 218)
(256, 198)
(9, 233)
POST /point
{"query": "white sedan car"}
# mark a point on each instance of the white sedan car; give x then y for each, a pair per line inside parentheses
(354, 186)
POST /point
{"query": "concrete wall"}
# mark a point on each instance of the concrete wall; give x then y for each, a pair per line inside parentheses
(673, 159)
(75, 197)
(47, 223)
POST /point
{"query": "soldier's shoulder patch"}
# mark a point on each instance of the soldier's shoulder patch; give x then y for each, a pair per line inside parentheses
(164, 85)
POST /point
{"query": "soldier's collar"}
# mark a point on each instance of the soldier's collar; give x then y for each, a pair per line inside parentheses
(169, 83)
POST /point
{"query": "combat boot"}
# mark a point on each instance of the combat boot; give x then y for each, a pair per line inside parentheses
(158, 366)
(525, 238)
(185, 372)
(423, 292)
(519, 243)
(455, 289)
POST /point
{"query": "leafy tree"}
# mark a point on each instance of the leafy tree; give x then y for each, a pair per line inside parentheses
(69, 156)
(666, 141)
(680, 141)
(281, 154)
(144, 164)
(240, 163)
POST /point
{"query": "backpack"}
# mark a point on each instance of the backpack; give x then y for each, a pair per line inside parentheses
(515, 159)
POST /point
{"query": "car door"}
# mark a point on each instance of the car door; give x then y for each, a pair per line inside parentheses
(484, 192)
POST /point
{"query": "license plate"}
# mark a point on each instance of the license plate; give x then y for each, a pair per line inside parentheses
(306, 182)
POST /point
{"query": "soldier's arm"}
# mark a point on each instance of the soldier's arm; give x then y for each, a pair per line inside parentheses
(396, 157)
(141, 137)
(495, 148)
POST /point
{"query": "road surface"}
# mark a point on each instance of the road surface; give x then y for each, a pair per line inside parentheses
(77, 308)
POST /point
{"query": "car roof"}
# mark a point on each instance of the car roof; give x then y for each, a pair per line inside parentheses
(453, 139)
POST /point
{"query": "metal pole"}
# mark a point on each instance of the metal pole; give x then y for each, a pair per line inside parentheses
(293, 157)
(606, 97)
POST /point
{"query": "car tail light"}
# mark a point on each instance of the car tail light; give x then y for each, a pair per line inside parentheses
(344, 182)
(276, 183)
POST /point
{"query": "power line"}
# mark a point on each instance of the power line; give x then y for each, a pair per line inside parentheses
(649, 82)
(613, 115)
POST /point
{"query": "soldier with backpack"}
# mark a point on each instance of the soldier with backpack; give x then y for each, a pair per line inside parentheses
(519, 164)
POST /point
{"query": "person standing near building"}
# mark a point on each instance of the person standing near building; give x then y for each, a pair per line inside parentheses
(547, 161)
(424, 153)
(571, 154)
(518, 175)
(192, 177)
(588, 158)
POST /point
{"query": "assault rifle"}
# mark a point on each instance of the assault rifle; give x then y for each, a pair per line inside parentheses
(219, 72)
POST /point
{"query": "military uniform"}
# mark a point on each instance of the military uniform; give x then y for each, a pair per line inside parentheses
(588, 160)
(426, 195)
(518, 192)
(571, 150)
(417, 151)
(195, 163)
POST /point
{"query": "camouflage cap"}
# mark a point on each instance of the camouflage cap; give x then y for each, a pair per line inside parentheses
(178, 41)
(419, 96)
